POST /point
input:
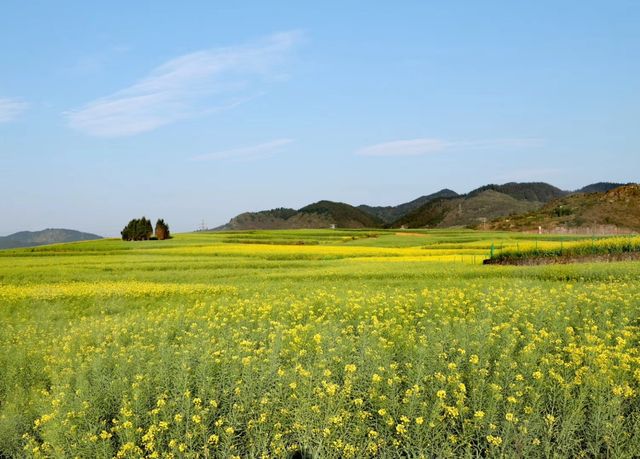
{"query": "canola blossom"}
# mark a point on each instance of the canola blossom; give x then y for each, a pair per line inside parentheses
(192, 354)
(51, 291)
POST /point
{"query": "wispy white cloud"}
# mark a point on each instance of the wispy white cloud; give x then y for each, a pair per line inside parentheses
(414, 147)
(251, 152)
(10, 109)
(427, 146)
(187, 86)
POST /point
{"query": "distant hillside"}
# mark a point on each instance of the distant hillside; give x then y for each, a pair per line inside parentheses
(442, 209)
(321, 214)
(342, 215)
(469, 210)
(528, 191)
(430, 215)
(47, 236)
(389, 214)
(616, 209)
(600, 187)
(266, 219)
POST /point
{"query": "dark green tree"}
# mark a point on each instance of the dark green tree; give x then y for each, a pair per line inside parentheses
(138, 229)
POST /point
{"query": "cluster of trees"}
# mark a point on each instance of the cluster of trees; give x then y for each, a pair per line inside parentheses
(140, 229)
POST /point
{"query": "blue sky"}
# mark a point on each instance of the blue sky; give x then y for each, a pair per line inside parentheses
(201, 110)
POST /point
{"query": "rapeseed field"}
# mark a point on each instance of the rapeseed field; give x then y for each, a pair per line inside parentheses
(345, 344)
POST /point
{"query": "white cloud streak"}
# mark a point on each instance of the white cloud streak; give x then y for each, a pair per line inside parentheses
(185, 87)
(10, 109)
(414, 147)
(428, 146)
(251, 152)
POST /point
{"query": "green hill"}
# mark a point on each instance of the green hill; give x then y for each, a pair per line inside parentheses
(322, 214)
(527, 191)
(342, 215)
(615, 210)
(389, 214)
(266, 219)
(44, 237)
(470, 210)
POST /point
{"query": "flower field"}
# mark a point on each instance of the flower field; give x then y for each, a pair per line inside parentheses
(314, 344)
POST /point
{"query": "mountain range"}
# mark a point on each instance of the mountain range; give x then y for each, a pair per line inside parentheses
(47, 236)
(490, 206)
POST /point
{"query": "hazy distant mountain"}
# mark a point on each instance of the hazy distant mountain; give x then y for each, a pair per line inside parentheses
(616, 208)
(47, 236)
(389, 214)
